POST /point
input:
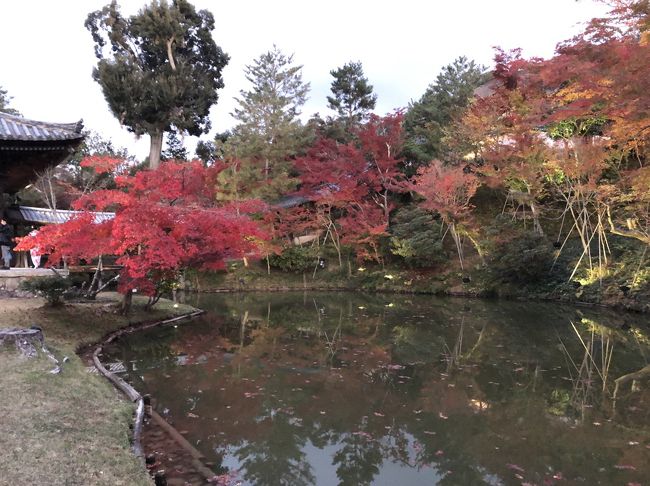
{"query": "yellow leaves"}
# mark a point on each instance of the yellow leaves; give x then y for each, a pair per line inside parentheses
(645, 38)
(574, 93)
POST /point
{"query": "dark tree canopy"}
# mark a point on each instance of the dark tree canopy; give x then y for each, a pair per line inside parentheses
(426, 119)
(159, 69)
(352, 98)
(174, 148)
(206, 151)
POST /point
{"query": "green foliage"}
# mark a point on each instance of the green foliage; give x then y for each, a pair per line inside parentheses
(269, 132)
(524, 258)
(294, 259)
(159, 69)
(352, 98)
(582, 127)
(417, 237)
(52, 289)
(206, 152)
(174, 150)
(426, 120)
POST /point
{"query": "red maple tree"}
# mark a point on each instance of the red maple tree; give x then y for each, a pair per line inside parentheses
(166, 220)
(447, 191)
(352, 185)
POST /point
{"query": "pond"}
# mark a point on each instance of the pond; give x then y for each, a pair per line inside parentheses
(353, 389)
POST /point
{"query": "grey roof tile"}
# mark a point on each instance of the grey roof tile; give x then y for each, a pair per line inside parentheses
(17, 128)
(49, 216)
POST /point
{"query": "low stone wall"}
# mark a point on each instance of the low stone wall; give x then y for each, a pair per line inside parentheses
(10, 279)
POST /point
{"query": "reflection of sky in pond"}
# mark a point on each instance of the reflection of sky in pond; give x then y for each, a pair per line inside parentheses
(344, 389)
(392, 472)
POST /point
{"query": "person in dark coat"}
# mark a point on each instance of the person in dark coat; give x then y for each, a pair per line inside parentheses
(6, 243)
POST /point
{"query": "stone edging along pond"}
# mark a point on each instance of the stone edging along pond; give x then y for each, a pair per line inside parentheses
(132, 394)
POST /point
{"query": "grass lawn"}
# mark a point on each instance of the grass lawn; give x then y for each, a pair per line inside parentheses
(71, 428)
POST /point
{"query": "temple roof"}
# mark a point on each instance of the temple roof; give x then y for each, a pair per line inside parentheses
(16, 128)
(49, 216)
(28, 147)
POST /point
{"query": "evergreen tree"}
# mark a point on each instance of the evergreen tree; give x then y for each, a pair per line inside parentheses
(159, 69)
(269, 132)
(352, 98)
(175, 149)
(4, 103)
(206, 152)
(426, 120)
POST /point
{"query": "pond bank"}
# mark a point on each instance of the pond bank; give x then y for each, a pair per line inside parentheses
(474, 283)
(70, 428)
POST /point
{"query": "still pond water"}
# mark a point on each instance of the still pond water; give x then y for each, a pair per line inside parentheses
(353, 389)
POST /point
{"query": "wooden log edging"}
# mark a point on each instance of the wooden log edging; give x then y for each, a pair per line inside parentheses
(185, 444)
(132, 394)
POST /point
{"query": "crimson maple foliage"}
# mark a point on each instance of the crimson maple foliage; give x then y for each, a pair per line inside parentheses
(165, 220)
(351, 185)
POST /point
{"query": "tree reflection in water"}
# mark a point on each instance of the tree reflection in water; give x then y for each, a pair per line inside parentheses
(324, 388)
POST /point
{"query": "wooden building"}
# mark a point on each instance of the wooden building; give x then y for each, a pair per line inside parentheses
(27, 147)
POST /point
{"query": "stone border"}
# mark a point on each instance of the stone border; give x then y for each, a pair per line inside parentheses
(132, 394)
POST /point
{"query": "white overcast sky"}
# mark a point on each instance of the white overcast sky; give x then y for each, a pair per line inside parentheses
(46, 54)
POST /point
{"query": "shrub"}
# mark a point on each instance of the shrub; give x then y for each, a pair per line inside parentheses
(417, 238)
(527, 257)
(294, 259)
(52, 289)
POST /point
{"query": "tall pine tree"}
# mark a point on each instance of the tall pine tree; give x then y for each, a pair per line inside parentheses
(426, 120)
(353, 98)
(269, 133)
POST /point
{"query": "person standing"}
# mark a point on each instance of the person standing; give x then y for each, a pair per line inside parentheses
(6, 242)
(35, 253)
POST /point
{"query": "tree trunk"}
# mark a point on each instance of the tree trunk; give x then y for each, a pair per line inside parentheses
(536, 224)
(155, 148)
(126, 303)
(459, 246)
